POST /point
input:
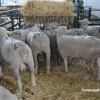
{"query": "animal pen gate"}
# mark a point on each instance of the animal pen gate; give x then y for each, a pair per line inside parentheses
(86, 11)
(12, 14)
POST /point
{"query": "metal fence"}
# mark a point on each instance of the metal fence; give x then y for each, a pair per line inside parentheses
(15, 18)
(86, 11)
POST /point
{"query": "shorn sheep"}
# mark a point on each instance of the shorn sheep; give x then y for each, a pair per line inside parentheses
(17, 53)
(91, 30)
(53, 43)
(22, 34)
(86, 47)
(5, 94)
(52, 34)
(39, 43)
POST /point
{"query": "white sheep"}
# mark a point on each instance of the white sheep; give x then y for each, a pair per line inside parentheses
(62, 30)
(91, 30)
(86, 47)
(21, 34)
(53, 43)
(17, 53)
(39, 42)
(77, 31)
(5, 94)
(52, 26)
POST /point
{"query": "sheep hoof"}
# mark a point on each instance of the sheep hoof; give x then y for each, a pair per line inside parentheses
(66, 71)
(33, 85)
(48, 72)
(20, 99)
(98, 80)
(35, 72)
(86, 78)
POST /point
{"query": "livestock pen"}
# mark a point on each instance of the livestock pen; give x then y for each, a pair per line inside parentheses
(57, 85)
(86, 12)
(10, 17)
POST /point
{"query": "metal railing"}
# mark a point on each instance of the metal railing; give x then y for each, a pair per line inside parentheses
(87, 11)
(12, 14)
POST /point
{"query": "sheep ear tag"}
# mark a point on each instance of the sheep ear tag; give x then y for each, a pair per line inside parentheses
(68, 32)
(8, 32)
(89, 23)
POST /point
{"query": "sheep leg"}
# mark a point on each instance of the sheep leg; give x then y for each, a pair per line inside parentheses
(65, 61)
(15, 71)
(98, 63)
(0, 71)
(36, 63)
(55, 57)
(59, 59)
(6, 67)
(89, 71)
(31, 68)
(48, 61)
(73, 61)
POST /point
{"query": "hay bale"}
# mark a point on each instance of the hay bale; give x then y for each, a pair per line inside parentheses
(46, 8)
(20, 3)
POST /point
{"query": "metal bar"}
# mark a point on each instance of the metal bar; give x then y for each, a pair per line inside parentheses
(93, 24)
(12, 22)
(89, 16)
(5, 23)
(0, 3)
(8, 11)
(19, 20)
(75, 21)
(92, 19)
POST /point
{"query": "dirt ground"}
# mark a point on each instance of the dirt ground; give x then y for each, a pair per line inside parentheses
(56, 86)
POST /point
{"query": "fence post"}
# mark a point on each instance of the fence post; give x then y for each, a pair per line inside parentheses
(12, 21)
(19, 19)
(19, 22)
(89, 16)
(0, 3)
(68, 22)
(76, 18)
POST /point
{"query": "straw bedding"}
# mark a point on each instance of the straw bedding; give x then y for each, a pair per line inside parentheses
(57, 85)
